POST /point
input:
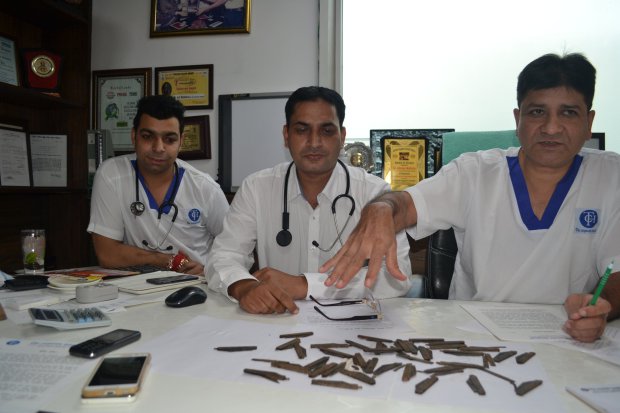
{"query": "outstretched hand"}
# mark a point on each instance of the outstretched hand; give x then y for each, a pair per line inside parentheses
(373, 238)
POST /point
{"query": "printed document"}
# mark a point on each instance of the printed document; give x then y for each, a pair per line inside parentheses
(23, 386)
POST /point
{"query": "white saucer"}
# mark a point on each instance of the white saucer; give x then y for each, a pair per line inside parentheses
(70, 282)
(62, 290)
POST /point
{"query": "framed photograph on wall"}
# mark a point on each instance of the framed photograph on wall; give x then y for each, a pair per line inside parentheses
(197, 142)
(190, 85)
(192, 17)
(115, 100)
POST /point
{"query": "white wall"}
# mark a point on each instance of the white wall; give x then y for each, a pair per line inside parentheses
(280, 53)
(454, 64)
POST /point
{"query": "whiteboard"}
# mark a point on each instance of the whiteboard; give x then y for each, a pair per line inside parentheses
(250, 135)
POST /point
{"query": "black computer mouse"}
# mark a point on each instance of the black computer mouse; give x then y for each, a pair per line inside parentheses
(186, 296)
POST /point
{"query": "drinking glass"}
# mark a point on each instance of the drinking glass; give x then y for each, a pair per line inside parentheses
(33, 248)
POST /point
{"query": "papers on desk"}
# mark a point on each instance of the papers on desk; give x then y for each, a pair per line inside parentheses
(173, 347)
(541, 323)
(519, 322)
(602, 398)
(23, 387)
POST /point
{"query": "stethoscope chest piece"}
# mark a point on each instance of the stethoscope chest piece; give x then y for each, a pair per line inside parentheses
(137, 208)
(284, 236)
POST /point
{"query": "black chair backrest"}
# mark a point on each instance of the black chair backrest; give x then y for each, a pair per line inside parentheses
(441, 255)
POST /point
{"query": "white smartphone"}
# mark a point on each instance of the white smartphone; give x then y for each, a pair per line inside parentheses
(117, 378)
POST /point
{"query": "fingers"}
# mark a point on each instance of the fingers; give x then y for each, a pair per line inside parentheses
(193, 268)
(265, 298)
(337, 263)
(587, 329)
(391, 263)
(585, 322)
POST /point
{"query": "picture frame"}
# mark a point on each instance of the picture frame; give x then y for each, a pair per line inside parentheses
(190, 85)
(115, 97)
(194, 17)
(596, 142)
(404, 161)
(434, 136)
(9, 72)
(197, 142)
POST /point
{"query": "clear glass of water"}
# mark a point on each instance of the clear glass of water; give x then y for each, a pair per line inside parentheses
(33, 248)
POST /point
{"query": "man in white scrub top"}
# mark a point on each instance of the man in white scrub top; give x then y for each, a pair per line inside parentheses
(535, 224)
(150, 207)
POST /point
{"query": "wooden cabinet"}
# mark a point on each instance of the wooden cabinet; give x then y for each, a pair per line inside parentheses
(64, 29)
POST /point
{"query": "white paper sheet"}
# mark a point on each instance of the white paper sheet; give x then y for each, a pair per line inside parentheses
(602, 398)
(13, 158)
(172, 349)
(541, 323)
(49, 160)
(520, 322)
(31, 372)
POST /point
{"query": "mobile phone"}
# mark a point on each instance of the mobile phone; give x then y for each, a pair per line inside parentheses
(105, 343)
(117, 378)
(171, 279)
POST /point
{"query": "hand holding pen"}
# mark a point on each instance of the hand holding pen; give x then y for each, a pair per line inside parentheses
(587, 315)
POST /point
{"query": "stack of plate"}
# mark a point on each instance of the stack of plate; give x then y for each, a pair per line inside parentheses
(68, 283)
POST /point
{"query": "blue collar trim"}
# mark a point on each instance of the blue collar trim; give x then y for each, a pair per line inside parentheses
(152, 202)
(530, 220)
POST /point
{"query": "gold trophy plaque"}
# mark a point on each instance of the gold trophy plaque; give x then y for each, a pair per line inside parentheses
(404, 161)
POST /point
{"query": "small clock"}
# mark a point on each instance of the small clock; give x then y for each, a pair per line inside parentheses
(43, 65)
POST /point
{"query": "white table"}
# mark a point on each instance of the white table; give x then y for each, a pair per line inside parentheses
(164, 393)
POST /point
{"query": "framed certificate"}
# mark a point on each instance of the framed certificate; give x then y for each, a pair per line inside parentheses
(404, 161)
(8, 62)
(190, 85)
(197, 142)
(115, 100)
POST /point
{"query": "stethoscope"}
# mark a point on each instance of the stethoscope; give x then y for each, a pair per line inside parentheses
(137, 208)
(284, 237)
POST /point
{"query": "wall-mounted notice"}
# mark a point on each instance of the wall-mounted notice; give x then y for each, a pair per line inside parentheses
(13, 157)
(49, 159)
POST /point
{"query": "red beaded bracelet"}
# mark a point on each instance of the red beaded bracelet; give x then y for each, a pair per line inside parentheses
(177, 261)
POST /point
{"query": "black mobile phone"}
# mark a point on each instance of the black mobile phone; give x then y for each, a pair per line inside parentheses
(105, 343)
(171, 279)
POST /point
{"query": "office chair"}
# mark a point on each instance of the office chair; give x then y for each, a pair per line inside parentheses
(442, 249)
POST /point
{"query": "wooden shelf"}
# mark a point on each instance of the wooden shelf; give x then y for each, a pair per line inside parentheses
(19, 190)
(63, 212)
(46, 13)
(17, 95)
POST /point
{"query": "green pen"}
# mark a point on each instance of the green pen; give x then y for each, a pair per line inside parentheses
(602, 283)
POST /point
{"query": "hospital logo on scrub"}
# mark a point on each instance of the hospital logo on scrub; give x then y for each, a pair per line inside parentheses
(587, 220)
(193, 216)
